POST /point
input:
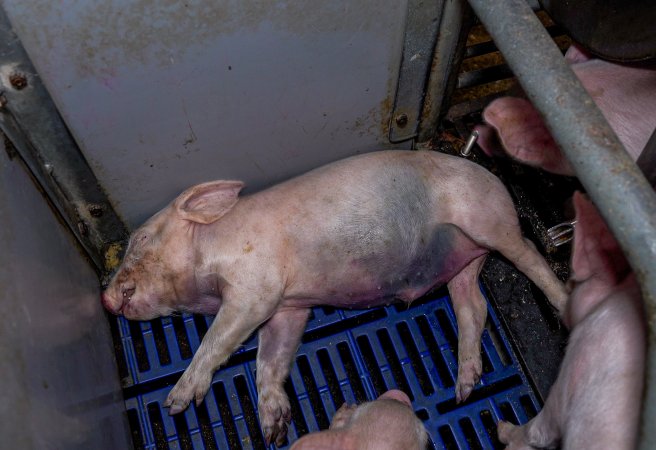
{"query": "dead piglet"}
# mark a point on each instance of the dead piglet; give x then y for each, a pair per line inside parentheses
(387, 423)
(596, 399)
(361, 232)
(626, 96)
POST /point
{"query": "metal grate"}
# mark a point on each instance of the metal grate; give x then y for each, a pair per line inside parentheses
(346, 356)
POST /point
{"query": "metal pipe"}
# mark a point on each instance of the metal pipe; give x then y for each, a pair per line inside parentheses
(618, 188)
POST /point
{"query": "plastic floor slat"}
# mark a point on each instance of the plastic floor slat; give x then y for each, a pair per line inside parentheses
(346, 356)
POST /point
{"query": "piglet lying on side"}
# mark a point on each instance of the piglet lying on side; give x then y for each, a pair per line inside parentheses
(358, 233)
(596, 399)
(387, 423)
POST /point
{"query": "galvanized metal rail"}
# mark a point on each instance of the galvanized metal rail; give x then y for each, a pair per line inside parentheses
(619, 189)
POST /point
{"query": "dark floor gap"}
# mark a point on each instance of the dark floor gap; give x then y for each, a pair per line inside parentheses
(446, 379)
(181, 337)
(182, 430)
(372, 364)
(352, 372)
(447, 330)
(448, 439)
(252, 422)
(170, 380)
(229, 428)
(135, 429)
(498, 343)
(331, 377)
(157, 426)
(393, 360)
(480, 393)
(417, 363)
(201, 326)
(205, 425)
(343, 325)
(508, 413)
(528, 406)
(139, 346)
(491, 429)
(160, 342)
(469, 432)
(298, 418)
(312, 391)
(123, 371)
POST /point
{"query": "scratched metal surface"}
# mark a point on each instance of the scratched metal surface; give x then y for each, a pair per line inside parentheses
(163, 94)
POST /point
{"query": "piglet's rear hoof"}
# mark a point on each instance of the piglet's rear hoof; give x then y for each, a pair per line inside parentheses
(506, 431)
(276, 433)
(468, 376)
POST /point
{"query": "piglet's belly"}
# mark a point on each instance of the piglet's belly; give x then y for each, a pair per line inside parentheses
(358, 287)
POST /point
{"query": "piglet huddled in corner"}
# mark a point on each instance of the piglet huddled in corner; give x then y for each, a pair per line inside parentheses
(596, 399)
(361, 232)
(387, 423)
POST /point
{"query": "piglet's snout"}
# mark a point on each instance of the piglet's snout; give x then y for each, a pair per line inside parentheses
(113, 305)
(397, 395)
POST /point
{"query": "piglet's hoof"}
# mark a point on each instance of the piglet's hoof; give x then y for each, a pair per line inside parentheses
(507, 432)
(275, 415)
(469, 373)
(189, 387)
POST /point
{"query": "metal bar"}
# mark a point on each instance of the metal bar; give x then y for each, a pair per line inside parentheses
(618, 188)
(29, 119)
(418, 44)
(449, 50)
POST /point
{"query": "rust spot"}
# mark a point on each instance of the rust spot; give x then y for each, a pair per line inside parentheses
(18, 81)
(248, 247)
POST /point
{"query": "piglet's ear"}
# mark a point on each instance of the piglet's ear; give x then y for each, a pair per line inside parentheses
(595, 252)
(205, 203)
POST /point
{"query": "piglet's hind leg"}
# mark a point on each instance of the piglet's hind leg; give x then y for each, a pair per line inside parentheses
(471, 309)
(279, 339)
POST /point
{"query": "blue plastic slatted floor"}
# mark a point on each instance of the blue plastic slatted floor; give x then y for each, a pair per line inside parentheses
(346, 356)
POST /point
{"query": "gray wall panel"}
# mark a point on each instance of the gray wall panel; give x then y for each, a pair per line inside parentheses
(163, 94)
(59, 385)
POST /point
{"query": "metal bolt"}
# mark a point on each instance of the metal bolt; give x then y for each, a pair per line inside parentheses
(48, 168)
(96, 210)
(401, 120)
(466, 150)
(18, 81)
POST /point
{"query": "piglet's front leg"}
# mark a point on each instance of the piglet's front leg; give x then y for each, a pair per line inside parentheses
(279, 339)
(236, 320)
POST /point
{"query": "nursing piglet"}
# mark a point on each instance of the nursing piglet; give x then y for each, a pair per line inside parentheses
(387, 423)
(596, 399)
(626, 96)
(358, 233)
